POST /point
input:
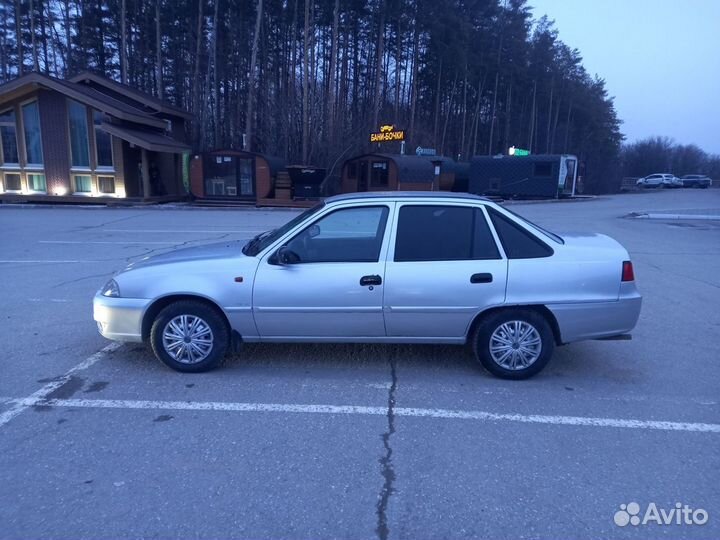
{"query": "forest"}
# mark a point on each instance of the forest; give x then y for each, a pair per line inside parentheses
(308, 80)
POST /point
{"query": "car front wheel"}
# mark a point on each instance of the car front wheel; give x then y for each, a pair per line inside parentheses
(189, 336)
(514, 344)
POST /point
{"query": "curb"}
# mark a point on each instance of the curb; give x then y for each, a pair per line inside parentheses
(157, 207)
(700, 217)
(581, 198)
(249, 208)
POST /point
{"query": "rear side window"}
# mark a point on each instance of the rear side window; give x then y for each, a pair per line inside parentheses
(517, 242)
(443, 233)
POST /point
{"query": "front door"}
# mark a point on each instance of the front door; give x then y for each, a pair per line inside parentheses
(444, 268)
(333, 288)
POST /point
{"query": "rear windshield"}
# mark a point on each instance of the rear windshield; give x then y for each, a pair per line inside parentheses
(538, 228)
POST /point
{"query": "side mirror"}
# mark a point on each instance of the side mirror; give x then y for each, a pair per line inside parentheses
(284, 256)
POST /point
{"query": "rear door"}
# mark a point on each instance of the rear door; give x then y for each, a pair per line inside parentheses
(444, 266)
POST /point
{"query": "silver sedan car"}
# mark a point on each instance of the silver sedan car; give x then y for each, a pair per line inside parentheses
(380, 268)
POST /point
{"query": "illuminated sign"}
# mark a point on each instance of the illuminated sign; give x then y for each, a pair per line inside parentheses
(512, 151)
(387, 133)
(420, 151)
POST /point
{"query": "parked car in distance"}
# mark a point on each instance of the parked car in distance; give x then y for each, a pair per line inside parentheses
(416, 267)
(658, 180)
(696, 181)
(671, 181)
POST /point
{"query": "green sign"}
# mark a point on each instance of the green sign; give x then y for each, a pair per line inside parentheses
(512, 151)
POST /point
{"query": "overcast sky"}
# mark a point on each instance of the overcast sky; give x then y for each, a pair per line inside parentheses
(659, 58)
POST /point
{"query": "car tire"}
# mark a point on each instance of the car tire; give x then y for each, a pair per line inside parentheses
(531, 326)
(190, 336)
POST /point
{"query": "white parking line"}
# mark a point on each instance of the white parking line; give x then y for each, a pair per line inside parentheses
(482, 416)
(104, 242)
(44, 261)
(21, 405)
(177, 231)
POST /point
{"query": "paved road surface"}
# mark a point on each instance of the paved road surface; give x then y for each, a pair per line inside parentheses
(341, 441)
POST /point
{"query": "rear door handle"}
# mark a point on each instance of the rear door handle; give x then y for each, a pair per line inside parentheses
(481, 278)
(370, 280)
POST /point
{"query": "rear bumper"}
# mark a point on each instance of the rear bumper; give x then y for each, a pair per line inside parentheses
(594, 320)
(119, 319)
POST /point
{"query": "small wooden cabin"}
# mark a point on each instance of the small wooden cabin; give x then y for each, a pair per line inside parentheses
(236, 176)
(395, 172)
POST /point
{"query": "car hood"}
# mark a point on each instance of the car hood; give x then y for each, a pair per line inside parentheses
(220, 250)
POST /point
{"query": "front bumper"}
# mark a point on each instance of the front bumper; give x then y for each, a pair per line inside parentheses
(119, 319)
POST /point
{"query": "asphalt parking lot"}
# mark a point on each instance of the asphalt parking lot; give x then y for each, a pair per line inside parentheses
(343, 441)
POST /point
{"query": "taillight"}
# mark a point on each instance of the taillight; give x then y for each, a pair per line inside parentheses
(627, 271)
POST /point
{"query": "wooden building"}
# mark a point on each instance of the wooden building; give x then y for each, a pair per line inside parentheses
(395, 172)
(237, 176)
(88, 139)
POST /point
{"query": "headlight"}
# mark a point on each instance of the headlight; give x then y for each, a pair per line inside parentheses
(111, 289)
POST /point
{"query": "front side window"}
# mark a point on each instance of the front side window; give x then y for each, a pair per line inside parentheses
(8, 138)
(103, 142)
(346, 235)
(443, 233)
(77, 116)
(36, 182)
(31, 125)
(516, 241)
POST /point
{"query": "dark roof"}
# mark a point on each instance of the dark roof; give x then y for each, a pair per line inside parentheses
(155, 142)
(410, 168)
(81, 93)
(145, 99)
(276, 163)
(413, 168)
(531, 157)
(406, 195)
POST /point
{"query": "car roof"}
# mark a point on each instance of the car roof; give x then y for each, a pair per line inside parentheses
(397, 195)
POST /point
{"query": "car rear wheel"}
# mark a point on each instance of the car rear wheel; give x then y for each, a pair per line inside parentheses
(190, 336)
(514, 344)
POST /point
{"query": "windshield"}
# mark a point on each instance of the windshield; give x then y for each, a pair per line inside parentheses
(538, 228)
(263, 240)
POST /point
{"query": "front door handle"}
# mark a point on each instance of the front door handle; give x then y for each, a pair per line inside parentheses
(481, 278)
(370, 280)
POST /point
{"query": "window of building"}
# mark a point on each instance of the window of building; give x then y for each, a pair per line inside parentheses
(103, 143)
(13, 182)
(379, 175)
(517, 242)
(8, 138)
(352, 170)
(348, 235)
(543, 169)
(443, 233)
(31, 126)
(36, 182)
(79, 149)
(106, 184)
(83, 183)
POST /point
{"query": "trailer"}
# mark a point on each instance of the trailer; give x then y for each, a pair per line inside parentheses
(551, 176)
